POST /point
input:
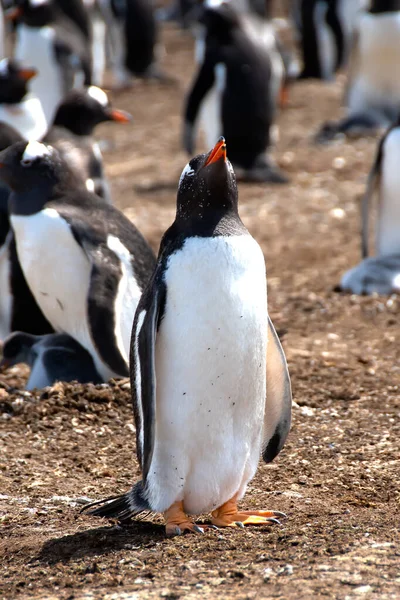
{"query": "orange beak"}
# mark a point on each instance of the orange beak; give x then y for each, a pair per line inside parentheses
(27, 74)
(218, 152)
(13, 13)
(121, 116)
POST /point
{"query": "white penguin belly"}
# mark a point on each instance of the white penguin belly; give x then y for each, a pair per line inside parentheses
(376, 82)
(27, 118)
(388, 226)
(6, 302)
(35, 47)
(58, 274)
(211, 374)
(211, 108)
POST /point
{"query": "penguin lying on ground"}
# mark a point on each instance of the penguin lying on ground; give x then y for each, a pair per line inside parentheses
(74, 123)
(55, 46)
(210, 395)
(85, 263)
(373, 88)
(381, 273)
(18, 308)
(51, 358)
(236, 92)
(19, 108)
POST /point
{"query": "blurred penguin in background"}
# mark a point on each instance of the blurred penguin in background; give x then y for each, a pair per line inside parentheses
(235, 92)
(2, 33)
(49, 41)
(373, 89)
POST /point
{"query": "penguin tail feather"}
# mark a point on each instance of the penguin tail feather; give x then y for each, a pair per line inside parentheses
(122, 508)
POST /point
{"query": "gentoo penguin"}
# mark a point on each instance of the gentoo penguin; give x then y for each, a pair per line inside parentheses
(77, 12)
(55, 46)
(373, 88)
(77, 116)
(380, 273)
(85, 263)
(18, 308)
(235, 94)
(19, 108)
(209, 394)
(51, 358)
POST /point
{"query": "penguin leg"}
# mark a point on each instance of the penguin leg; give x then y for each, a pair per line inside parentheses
(228, 515)
(177, 521)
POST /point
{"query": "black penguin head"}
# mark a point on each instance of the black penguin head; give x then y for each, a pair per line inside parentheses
(82, 110)
(32, 167)
(219, 17)
(17, 349)
(207, 183)
(14, 81)
(34, 13)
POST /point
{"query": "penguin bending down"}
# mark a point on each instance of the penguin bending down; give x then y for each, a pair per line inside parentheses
(74, 123)
(381, 273)
(51, 358)
(55, 46)
(19, 108)
(85, 263)
(210, 385)
(373, 88)
(236, 92)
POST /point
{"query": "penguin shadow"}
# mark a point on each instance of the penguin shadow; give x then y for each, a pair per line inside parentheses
(99, 541)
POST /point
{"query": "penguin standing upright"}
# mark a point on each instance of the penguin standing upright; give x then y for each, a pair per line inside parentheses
(76, 118)
(235, 91)
(85, 263)
(373, 85)
(209, 394)
(55, 46)
(20, 108)
(380, 273)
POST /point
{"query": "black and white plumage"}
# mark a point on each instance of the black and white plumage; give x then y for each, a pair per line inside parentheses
(380, 273)
(76, 118)
(85, 263)
(49, 41)
(51, 358)
(200, 363)
(235, 92)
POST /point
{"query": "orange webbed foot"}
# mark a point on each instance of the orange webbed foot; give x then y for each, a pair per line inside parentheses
(228, 515)
(177, 522)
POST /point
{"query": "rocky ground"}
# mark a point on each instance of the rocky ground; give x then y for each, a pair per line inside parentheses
(338, 475)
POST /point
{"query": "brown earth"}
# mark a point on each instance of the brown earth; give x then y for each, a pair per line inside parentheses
(338, 475)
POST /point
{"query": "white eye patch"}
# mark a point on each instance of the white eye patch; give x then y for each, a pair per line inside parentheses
(33, 151)
(36, 3)
(4, 67)
(214, 3)
(187, 172)
(98, 95)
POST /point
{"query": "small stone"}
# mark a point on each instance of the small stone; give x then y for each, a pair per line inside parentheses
(267, 574)
(363, 589)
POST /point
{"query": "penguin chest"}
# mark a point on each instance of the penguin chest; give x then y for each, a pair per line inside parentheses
(211, 109)
(57, 271)
(210, 371)
(35, 47)
(388, 238)
(27, 118)
(6, 302)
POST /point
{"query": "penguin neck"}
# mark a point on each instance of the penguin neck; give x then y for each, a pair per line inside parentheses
(209, 219)
(32, 199)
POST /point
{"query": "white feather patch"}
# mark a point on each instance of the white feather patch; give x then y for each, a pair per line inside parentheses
(35, 150)
(4, 67)
(187, 172)
(138, 376)
(97, 94)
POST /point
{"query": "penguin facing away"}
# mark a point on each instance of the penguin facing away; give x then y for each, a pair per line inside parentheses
(55, 46)
(85, 263)
(203, 354)
(380, 273)
(19, 108)
(235, 93)
(76, 118)
(51, 358)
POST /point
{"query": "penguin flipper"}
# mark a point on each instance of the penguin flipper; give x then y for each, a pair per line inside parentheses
(372, 188)
(201, 86)
(278, 405)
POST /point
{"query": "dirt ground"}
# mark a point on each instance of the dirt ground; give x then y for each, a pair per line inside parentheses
(337, 477)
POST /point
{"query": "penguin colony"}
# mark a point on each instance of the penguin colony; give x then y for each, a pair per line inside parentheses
(190, 327)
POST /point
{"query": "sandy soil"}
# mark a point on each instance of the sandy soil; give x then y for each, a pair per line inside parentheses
(338, 475)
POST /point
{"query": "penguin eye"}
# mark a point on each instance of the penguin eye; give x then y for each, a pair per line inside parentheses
(26, 162)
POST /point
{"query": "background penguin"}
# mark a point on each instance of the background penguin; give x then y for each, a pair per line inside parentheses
(51, 358)
(235, 91)
(19, 108)
(74, 123)
(55, 46)
(199, 362)
(373, 88)
(77, 12)
(18, 308)
(2, 33)
(380, 273)
(85, 263)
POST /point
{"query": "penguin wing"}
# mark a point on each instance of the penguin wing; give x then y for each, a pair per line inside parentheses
(202, 84)
(143, 378)
(373, 185)
(278, 404)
